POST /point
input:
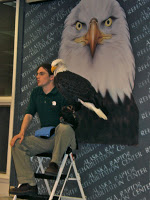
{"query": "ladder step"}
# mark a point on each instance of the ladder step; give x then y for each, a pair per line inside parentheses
(44, 176)
(44, 155)
(36, 197)
(49, 155)
(46, 197)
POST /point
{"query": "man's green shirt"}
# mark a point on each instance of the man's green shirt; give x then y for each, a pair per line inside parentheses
(48, 106)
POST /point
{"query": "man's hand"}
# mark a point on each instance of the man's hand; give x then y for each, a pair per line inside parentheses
(16, 137)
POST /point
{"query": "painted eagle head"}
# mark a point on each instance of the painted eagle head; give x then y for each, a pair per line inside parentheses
(96, 45)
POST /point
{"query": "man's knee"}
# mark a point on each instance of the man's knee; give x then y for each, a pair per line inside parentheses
(15, 147)
(64, 130)
(21, 145)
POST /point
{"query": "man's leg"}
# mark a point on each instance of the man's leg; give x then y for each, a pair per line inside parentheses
(64, 137)
(30, 146)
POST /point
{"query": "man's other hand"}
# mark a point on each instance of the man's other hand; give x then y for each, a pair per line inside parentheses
(16, 137)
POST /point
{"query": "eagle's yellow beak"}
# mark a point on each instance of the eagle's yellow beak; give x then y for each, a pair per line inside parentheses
(53, 68)
(93, 37)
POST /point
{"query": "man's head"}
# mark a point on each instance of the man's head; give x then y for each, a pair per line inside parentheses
(44, 75)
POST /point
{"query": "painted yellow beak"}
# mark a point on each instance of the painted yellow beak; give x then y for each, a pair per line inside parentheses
(93, 37)
(53, 68)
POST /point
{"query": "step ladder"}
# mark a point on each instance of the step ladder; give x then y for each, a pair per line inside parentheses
(60, 176)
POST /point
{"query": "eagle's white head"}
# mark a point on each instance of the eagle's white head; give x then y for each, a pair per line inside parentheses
(57, 66)
(96, 45)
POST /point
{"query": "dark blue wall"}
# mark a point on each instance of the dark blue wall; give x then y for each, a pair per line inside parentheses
(108, 172)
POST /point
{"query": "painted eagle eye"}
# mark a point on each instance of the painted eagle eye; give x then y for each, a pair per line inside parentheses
(78, 26)
(108, 22)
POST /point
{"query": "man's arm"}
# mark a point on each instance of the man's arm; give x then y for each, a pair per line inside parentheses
(26, 121)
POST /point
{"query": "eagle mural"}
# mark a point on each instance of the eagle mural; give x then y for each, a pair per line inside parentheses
(96, 45)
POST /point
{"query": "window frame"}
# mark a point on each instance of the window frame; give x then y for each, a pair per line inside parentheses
(10, 100)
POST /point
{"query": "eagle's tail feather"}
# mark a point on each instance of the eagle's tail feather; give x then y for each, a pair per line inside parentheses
(93, 108)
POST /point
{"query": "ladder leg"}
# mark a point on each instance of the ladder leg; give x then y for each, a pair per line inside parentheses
(42, 170)
(77, 176)
(65, 181)
(58, 176)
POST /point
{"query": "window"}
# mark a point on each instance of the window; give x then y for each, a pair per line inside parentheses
(4, 127)
(7, 87)
(7, 28)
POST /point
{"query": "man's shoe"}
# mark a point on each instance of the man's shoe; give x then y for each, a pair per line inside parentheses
(24, 189)
(52, 169)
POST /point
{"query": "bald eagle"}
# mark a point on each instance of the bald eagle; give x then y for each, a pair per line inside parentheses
(74, 87)
(96, 45)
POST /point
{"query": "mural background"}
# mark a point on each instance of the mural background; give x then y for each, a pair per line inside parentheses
(108, 172)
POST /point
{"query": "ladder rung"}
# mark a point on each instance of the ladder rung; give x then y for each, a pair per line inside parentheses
(72, 179)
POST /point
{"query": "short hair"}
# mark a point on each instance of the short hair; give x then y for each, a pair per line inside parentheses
(47, 67)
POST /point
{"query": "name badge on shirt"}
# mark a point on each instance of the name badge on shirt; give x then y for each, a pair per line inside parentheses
(54, 103)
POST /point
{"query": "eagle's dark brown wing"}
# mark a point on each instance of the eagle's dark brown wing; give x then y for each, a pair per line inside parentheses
(74, 87)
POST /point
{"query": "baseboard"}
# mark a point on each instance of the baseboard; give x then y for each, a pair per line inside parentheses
(4, 187)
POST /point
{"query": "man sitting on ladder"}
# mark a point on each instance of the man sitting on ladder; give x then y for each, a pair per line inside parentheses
(47, 102)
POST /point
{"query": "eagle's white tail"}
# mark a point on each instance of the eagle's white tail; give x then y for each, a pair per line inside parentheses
(93, 108)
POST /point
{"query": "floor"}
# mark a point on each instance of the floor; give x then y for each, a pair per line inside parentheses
(6, 198)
